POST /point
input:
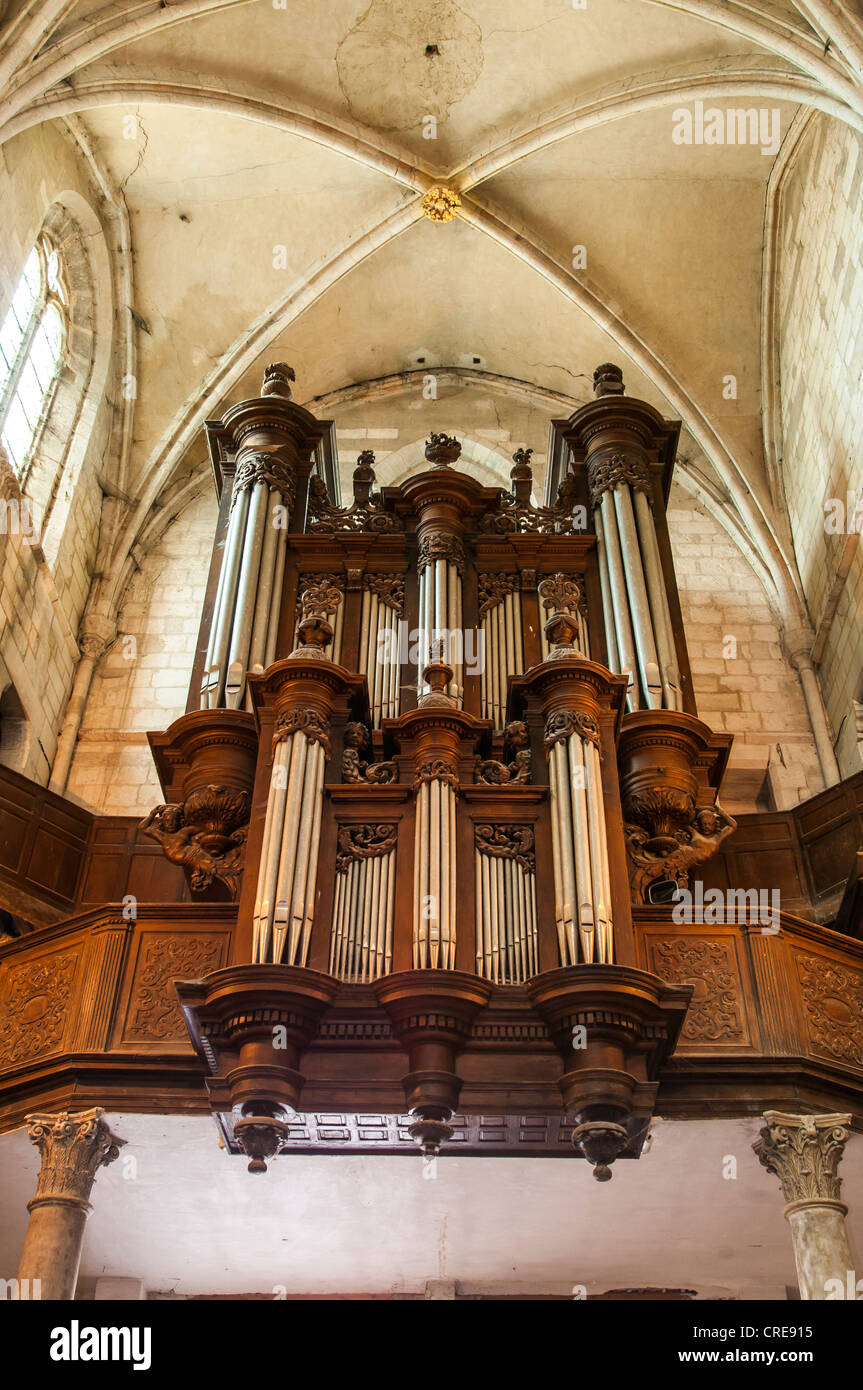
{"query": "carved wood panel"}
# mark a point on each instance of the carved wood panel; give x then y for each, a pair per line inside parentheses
(152, 1013)
(717, 1013)
(832, 1000)
(36, 1005)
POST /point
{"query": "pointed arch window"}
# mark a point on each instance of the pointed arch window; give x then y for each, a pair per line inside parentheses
(32, 343)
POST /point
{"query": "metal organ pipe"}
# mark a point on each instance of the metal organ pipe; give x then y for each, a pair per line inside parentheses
(585, 891)
(266, 578)
(244, 626)
(582, 880)
(434, 880)
(244, 613)
(276, 594)
(651, 685)
(658, 598)
(269, 864)
(500, 625)
(626, 652)
(566, 845)
(505, 917)
(223, 612)
(605, 590)
(634, 596)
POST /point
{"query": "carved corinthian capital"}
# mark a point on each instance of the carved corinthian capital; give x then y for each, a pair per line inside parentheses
(72, 1146)
(262, 467)
(804, 1152)
(612, 471)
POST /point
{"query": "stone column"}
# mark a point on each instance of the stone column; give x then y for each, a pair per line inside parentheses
(96, 635)
(798, 645)
(804, 1152)
(72, 1146)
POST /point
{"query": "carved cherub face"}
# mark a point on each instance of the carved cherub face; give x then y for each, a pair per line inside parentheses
(516, 733)
(170, 818)
(707, 821)
(355, 734)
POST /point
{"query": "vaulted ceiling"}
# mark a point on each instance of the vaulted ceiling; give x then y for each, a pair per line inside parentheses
(268, 159)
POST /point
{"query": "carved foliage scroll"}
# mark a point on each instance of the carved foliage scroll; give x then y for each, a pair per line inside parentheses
(562, 723)
(493, 589)
(310, 722)
(389, 588)
(610, 472)
(364, 842)
(507, 842)
(440, 545)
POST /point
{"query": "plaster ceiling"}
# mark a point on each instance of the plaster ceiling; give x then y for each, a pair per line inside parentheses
(186, 1218)
(272, 158)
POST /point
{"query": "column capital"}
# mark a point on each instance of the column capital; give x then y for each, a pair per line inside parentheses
(804, 1152)
(96, 634)
(797, 642)
(72, 1146)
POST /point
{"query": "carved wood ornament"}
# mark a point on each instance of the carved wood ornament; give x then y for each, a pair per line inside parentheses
(672, 855)
(517, 515)
(206, 835)
(507, 842)
(517, 771)
(389, 588)
(354, 769)
(365, 513)
(609, 472)
(364, 842)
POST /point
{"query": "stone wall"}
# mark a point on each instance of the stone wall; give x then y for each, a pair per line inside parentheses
(821, 371)
(142, 682)
(753, 694)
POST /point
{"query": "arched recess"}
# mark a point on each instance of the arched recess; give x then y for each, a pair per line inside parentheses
(52, 474)
(14, 725)
(488, 466)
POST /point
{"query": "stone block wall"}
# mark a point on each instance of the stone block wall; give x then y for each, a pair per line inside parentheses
(142, 681)
(821, 371)
(754, 694)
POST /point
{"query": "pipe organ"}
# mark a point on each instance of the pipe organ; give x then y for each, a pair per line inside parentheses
(476, 748)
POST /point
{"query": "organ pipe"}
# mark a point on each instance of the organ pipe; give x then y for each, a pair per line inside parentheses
(361, 938)
(248, 595)
(636, 614)
(381, 642)
(581, 873)
(504, 866)
(500, 624)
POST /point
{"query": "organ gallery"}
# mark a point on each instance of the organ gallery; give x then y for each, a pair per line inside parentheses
(430, 850)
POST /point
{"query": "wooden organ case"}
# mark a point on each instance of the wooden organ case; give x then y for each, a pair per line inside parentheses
(459, 697)
(439, 778)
